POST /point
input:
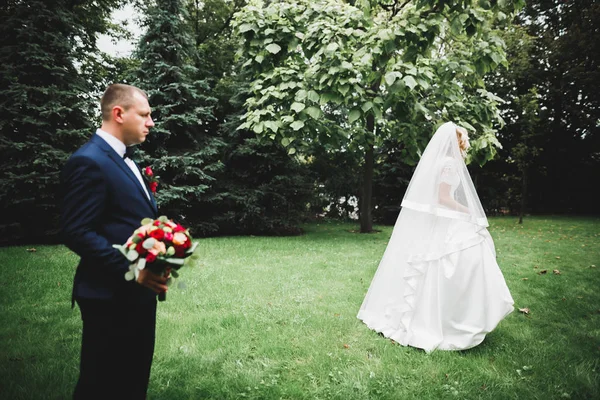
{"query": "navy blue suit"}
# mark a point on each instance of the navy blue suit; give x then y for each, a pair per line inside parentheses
(103, 203)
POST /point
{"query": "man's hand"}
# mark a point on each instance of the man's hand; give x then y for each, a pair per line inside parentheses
(152, 281)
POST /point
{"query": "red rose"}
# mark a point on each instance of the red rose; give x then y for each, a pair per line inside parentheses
(157, 223)
(148, 171)
(187, 244)
(179, 251)
(178, 228)
(150, 257)
(157, 234)
(140, 248)
(153, 186)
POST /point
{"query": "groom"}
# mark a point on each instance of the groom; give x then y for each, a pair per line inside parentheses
(104, 200)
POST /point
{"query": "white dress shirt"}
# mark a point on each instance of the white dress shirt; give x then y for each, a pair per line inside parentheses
(119, 148)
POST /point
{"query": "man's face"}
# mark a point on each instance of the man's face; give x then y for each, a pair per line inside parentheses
(137, 121)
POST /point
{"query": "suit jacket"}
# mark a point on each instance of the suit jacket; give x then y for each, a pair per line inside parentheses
(103, 203)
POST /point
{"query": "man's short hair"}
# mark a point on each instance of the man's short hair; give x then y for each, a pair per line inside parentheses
(118, 94)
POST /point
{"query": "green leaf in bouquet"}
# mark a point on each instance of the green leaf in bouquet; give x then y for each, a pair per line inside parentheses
(174, 273)
(121, 248)
(170, 251)
(163, 219)
(136, 239)
(192, 248)
(129, 276)
(181, 285)
(149, 243)
(175, 261)
(147, 221)
(169, 281)
(132, 255)
(141, 263)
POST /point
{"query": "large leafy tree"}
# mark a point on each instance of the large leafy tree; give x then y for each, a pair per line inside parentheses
(45, 101)
(182, 149)
(386, 67)
(261, 189)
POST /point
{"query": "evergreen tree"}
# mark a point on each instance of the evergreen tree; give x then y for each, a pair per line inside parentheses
(45, 104)
(181, 148)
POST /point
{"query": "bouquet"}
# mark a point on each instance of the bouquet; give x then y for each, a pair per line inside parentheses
(159, 244)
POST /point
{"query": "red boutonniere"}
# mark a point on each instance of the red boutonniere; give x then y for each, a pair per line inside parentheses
(152, 180)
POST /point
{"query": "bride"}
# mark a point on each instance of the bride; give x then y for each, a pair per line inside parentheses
(438, 285)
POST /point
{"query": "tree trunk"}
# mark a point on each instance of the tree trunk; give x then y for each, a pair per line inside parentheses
(366, 201)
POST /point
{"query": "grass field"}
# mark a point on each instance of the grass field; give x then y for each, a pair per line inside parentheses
(275, 318)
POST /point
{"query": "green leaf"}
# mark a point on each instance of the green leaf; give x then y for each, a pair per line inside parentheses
(314, 112)
(285, 142)
(297, 125)
(273, 48)
(258, 128)
(246, 27)
(291, 151)
(410, 81)
(391, 77)
(297, 107)
(343, 89)
(354, 115)
(367, 106)
(331, 47)
(313, 96)
(301, 95)
(132, 255)
(175, 261)
(272, 125)
(147, 221)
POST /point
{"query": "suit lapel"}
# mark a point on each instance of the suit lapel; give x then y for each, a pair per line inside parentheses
(125, 168)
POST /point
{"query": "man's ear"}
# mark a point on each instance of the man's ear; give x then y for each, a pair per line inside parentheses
(117, 113)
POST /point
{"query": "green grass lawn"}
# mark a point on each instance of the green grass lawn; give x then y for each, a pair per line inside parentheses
(275, 318)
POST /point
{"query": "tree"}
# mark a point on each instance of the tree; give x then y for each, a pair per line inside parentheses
(261, 189)
(184, 151)
(551, 140)
(567, 65)
(388, 68)
(46, 104)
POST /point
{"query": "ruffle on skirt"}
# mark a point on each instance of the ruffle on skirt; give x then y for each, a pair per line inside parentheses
(426, 329)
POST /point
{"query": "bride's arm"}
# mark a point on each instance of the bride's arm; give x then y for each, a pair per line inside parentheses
(444, 198)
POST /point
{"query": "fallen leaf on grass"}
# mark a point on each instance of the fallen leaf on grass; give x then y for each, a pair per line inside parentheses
(32, 250)
(346, 346)
(542, 272)
(525, 279)
(524, 310)
(556, 272)
(557, 257)
(592, 266)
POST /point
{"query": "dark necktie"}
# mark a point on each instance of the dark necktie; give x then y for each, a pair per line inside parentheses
(129, 152)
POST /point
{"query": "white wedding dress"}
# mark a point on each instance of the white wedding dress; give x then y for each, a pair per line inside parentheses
(438, 285)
